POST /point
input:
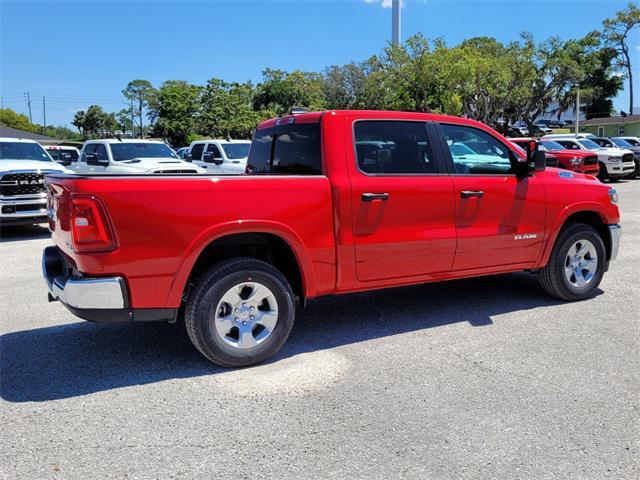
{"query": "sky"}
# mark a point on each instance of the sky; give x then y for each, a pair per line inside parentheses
(76, 53)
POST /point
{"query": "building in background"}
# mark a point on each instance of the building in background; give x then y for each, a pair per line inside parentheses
(628, 126)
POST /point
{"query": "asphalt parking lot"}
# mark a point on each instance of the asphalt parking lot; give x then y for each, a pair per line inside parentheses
(481, 378)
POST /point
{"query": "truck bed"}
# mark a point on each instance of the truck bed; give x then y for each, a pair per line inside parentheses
(163, 223)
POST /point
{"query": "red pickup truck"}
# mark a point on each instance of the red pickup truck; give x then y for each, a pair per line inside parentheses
(333, 202)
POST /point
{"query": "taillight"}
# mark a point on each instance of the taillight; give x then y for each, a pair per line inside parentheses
(90, 225)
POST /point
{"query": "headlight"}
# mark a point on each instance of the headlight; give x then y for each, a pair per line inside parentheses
(613, 196)
(576, 161)
(615, 159)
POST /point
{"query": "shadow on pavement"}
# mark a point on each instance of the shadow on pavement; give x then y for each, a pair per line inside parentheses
(80, 358)
(15, 233)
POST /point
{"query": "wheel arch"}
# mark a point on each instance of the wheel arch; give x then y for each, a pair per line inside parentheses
(589, 216)
(274, 243)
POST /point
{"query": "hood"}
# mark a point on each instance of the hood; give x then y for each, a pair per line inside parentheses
(10, 164)
(614, 152)
(575, 153)
(144, 164)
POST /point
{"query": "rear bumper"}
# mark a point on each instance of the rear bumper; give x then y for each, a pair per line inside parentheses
(97, 299)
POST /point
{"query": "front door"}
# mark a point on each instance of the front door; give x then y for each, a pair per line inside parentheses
(402, 201)
(500, 217)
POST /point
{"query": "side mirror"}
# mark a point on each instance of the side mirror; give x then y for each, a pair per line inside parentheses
(65, 159)
(188, 157)
(536, 160)
(207, 157)
(92, 159)
(218, 160)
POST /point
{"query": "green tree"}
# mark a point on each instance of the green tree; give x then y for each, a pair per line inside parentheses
(93, 123)
(280, 91)
(616, 32)
(344, 86)
(79, 122)
(140, 93)
(124, 120)
(176, 109)
(13, 119)
(227, 110)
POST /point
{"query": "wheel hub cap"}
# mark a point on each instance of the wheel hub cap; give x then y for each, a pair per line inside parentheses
(581, 263)
(246, 315)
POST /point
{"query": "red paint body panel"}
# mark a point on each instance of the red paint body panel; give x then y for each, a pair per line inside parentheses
(424, 232)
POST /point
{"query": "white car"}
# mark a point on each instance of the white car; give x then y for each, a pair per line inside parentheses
(23, 165)
(130, 157)
(615, 163)
(63, 154)
(220, 156)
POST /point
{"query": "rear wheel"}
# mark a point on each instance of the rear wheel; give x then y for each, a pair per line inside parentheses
(576, 266)
(240, 312)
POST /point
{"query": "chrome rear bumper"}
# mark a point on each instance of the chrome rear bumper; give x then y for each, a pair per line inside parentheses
(79, 292)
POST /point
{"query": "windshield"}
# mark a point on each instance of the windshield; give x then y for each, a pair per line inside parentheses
(236, 150)
(588, 144)
(23, 151)
(621, 143)
(549, 145)
(129, 151)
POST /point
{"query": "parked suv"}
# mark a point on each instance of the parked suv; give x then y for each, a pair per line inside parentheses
(23, 165)
(110, 156)
(614, 163)
(220, 156)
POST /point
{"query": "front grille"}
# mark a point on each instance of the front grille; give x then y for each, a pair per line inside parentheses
(627, 157)
(169, 172)
(591, 160)
(21, 184)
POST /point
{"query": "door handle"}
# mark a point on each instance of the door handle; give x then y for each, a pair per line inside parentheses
(471, 193)
(370, 197)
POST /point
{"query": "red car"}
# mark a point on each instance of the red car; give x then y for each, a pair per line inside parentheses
(575, 160)
(336, 202)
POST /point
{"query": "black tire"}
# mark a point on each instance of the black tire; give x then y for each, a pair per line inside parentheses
(208, 292)
(552, 277)
(602, 172)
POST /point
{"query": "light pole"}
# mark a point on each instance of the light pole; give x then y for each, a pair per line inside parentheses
(395, 22)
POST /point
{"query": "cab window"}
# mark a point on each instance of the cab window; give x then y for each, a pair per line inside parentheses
(475, 152)
(391, 147)
(196, 151)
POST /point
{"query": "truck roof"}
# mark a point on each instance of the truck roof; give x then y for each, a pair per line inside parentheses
(22, 140)
(315, 117)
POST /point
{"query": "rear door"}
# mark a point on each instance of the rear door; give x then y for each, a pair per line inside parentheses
(402, 201)
(499, 217)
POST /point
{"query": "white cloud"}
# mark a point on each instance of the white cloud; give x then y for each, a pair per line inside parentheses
(384, 3)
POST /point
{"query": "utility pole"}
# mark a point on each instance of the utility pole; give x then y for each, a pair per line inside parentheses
(578, 111)
(29, 104)
(44, 116)
(395, 22)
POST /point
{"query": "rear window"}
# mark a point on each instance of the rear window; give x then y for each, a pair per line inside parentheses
(286, 150)
(71, 155)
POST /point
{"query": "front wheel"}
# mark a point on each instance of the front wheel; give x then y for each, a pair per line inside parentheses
(602, 172)
(577, 263)
(240, 312)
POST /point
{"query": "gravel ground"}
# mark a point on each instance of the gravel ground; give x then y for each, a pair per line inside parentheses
(481, 378)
